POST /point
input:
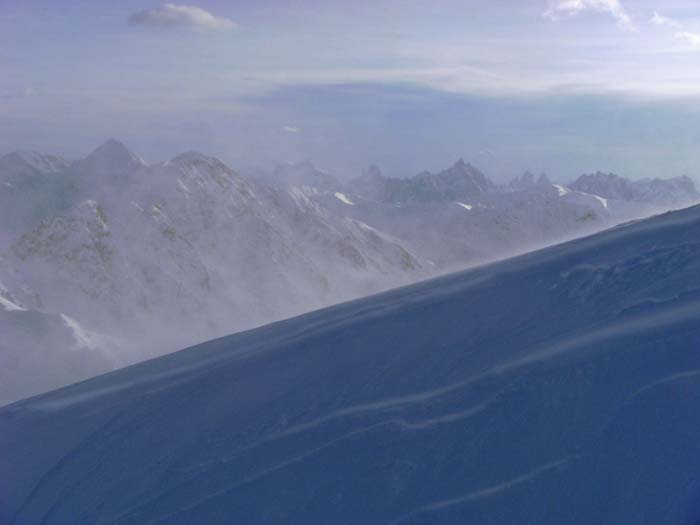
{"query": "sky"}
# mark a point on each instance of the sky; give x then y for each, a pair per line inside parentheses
(561, 86)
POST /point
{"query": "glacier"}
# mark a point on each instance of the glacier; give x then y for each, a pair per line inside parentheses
(560, 386)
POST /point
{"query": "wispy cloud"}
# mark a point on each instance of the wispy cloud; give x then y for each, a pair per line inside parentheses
(559, 8)
(183, 16)
(660, 20)
(291, 129)
(692, 39)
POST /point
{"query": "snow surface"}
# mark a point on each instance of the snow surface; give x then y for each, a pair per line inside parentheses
(9, 305)
(600, 199)
(561, 189)
(557, 387)
(603, 201)
(343, 198)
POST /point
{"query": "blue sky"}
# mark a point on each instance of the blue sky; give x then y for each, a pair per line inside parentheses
(564, 86)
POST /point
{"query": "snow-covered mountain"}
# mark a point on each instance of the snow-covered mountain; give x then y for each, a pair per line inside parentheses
(28, 163)
(151, 258)
(528, 181)
(457, 182)
(156, 257)
(29, 190)
(664, 192)
(459, 216)
(556, 387)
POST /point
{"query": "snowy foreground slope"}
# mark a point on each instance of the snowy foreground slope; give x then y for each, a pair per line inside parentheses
(558, 387)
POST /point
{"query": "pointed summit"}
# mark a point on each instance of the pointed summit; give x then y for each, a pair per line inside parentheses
(523, 182)
(461, 180)
(115, 151)
(543, 180)
(528, 181)
(460, 164)
(371, 184)
(112, 158)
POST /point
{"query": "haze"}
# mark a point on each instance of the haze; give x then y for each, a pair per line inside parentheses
(566, 87)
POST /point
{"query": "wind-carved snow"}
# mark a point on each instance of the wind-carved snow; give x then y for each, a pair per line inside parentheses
(465, 206)
(453, 406)
(484, 493)
(343, 198)
(690, 374)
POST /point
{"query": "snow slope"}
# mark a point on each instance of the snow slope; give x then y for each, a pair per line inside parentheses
(558, 387)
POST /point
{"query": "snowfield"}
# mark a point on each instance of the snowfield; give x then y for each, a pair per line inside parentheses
(558, 387)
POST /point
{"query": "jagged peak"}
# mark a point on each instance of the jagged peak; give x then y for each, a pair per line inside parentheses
(114, 154)
(544, 179)
(528, 180)
(602, 175)
(462, 167)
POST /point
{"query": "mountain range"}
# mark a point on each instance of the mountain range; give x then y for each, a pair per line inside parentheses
(459, 216)
(115, 260)
(560, 386)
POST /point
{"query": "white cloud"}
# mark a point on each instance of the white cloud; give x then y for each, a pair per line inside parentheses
(188, 16)
(559, 8)
(291, 129)
(692, 39)
(659, 20)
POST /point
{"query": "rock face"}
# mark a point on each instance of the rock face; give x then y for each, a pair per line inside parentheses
(487, 396)
(528, 181)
